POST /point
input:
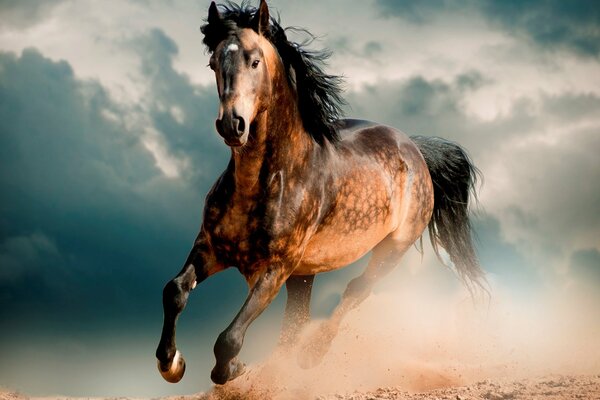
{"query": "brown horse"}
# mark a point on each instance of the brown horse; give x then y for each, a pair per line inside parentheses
(306, 192)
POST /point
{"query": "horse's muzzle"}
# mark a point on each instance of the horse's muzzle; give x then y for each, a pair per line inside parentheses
(232, 128)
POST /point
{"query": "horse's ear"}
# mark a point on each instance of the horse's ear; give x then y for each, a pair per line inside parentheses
(260, 22)
(214, 16)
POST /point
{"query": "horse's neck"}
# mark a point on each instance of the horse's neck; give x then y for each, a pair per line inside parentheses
(279, 145)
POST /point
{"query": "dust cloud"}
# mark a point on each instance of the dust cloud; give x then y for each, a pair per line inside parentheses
(418, 339)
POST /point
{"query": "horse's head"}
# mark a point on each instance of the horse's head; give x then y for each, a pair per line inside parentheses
(257, 68)
(240, 61)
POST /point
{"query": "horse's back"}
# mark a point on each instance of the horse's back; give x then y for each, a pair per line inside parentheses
(392, 148)
(347, 126)
(370, 132)
(378, 181)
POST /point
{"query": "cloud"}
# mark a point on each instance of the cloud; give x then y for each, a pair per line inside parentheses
(24, 255)
(585, 265)
(182, 113)
(24, 13)
(573, 25)
(554, 24)
(342, 45)
(415, 11)
(547, 197)
(505, 263)
(418, 105)
(69, 172)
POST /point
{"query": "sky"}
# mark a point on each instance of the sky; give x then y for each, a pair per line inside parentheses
(107, 149)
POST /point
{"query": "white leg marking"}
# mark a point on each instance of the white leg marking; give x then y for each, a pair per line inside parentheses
(175, 362)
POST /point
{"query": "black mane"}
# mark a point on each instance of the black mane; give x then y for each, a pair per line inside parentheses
(319, 94)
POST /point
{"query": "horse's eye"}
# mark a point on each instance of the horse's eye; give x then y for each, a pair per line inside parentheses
(255, 64)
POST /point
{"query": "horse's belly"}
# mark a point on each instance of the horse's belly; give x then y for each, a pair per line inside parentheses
(329, 249)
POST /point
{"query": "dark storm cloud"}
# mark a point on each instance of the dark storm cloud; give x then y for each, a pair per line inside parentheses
(574, 25)
(551, 24)
(193, 136)
(90, 229)
(71, 221)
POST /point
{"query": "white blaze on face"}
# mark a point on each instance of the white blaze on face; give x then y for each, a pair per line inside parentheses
(231, 47)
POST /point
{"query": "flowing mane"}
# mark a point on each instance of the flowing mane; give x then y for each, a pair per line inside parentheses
(319, 94)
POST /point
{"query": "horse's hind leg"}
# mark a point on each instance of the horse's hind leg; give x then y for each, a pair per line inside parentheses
(386, 255)
(297, 309)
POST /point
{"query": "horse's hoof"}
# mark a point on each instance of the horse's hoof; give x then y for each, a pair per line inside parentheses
(232, 370)
(174, 372)
(237, 369)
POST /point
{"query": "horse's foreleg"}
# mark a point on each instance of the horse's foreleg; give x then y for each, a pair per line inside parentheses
(385, 257)
(229, 342)
(297, 309)
(171, 364)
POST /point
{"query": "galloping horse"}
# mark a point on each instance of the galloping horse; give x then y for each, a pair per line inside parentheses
(307, 192)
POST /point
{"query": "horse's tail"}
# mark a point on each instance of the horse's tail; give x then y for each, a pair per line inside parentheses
(454, 177)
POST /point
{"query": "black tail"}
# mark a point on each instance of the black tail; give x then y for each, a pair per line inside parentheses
(454, 177)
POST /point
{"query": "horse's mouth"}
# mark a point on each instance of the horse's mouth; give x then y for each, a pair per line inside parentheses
(234, 142)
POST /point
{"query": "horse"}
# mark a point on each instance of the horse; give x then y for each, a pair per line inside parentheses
(306, 191)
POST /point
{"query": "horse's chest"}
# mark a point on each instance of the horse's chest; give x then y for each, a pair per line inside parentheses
(243, 236)
(237, 236)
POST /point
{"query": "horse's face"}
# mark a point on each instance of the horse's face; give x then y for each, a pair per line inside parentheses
(243, 83)
(241, 64)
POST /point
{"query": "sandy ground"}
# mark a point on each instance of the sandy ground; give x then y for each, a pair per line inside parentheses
(548, 388)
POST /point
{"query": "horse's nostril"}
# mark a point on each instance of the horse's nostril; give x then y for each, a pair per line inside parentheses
(241, 125)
